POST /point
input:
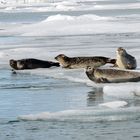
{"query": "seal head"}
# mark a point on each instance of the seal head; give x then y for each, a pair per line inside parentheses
(13, 64)
(63, 60)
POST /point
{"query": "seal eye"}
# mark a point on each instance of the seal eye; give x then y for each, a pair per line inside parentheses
(88, 68)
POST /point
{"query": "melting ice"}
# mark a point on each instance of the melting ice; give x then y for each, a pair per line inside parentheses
(75, 28)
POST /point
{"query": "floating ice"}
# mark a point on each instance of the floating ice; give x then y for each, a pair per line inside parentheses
(59, 18)
(86, 115)
(57, 25)
(114, 104)
(122, 90)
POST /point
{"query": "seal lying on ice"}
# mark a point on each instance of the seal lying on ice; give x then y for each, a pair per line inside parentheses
(111, 75)
(83, 62)
(31, 63)
(125, 60)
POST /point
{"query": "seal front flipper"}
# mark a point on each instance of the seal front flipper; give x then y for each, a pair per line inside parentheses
(66, 67)
(115, 65)
(102, 80)
(13, 71)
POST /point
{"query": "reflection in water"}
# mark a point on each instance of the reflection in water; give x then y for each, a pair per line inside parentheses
(136, 100)
(95, 97)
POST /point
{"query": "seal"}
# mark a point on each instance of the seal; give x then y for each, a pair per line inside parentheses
(111, 75)
(83, 62)
(31, 63)
(125, 60)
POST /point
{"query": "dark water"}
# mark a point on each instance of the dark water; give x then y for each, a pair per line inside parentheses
(71, 107)
(70, 130)
(26, 93)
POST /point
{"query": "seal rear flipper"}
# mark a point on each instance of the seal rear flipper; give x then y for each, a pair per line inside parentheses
(56, 64)
(112, 61)
(50, 63)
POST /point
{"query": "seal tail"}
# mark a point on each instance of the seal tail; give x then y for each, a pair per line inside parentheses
(112, 61)
(56, 64)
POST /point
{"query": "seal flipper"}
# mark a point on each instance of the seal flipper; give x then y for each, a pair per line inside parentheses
(102, 80)
(66, 67)
(129, 66)
(13, 71)
(57, 64)
(112, 61)
(115, 65)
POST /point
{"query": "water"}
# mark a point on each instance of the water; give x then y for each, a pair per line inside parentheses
(56, 103)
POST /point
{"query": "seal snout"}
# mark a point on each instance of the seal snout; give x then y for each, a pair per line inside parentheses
(120, 50)
(56, 57)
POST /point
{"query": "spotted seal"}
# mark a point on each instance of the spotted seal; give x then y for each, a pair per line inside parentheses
(31, 63)
(111, 75)
(125, 60)
(83, 62)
